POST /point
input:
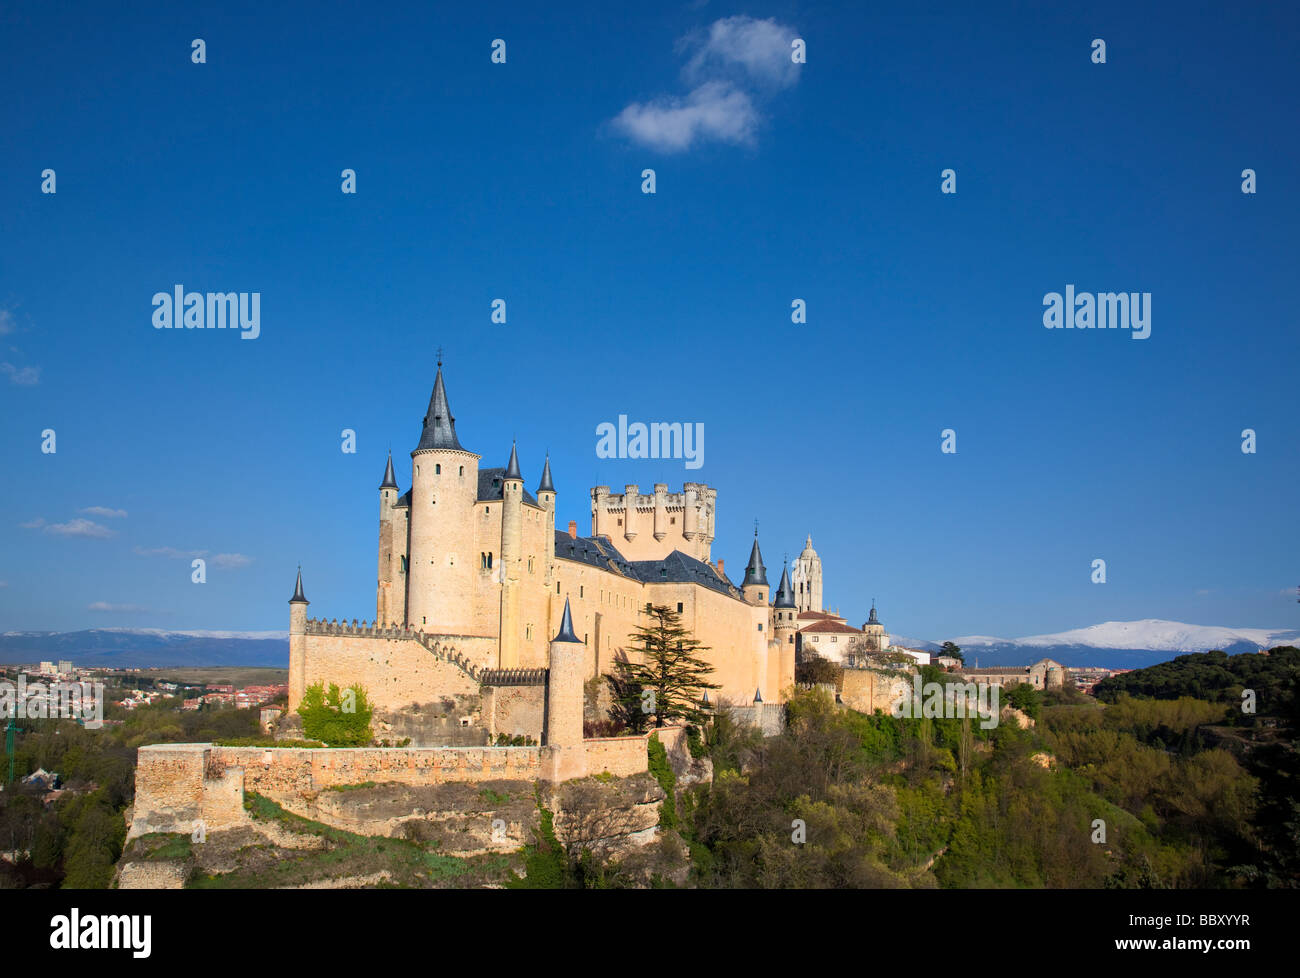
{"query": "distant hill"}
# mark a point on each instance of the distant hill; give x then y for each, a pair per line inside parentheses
(122, 648)
(1114, 644)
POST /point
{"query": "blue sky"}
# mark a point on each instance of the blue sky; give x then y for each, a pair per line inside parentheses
(522, 181)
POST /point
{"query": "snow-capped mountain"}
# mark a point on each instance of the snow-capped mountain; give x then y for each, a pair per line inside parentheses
(1121, 644)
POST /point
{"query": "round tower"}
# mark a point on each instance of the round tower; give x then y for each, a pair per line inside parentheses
(444, 487)
(564, 752)
(297, 644)
(390, 584)
(512, 545)
(546, 499)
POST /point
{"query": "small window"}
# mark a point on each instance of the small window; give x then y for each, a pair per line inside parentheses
(462, 470)
(557, 587)
(679, 607)
(672, 521)
(437, 469)
(489, 560)
(760, 626)
(417, 470)
(581, 591)
(620, 521)
(403, 563)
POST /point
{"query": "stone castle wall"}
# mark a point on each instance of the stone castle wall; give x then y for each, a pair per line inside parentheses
(868, 690)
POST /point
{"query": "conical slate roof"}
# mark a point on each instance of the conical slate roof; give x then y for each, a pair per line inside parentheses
(439, 426)
(298, 596)
(546, 484)
(755, 573)
(390, 480)
(566, 626)
(784, 593)
(512, 469)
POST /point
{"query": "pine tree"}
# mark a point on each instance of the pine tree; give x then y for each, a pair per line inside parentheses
(668, 681)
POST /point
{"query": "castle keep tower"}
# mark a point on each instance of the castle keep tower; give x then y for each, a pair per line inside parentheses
(444, 487)
(650, 527)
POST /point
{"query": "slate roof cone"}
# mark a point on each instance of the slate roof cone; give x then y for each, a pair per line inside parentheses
(755, 573)
(758, 696)
(784, 593)
(546, 484)
(390, 480)
(512, 470)
(439, 425)
(566, 626)
(298, 597)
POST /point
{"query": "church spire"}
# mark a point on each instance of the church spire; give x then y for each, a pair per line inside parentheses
(755, 573)
(439, 425)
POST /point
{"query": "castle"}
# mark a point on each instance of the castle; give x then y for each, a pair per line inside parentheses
(472, 569)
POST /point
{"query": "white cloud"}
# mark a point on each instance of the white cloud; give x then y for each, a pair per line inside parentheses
(231, 561)
(22, 376)
(35, 524)
(79, 528)
(715, 110)
(112, 514)
(115, 608)
(760, 49)
(6, 322)
(728, 64)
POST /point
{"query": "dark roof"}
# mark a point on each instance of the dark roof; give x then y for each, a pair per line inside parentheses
(489, 486)
(298, 597)
(755, 573)
(678, 567)
(390, 481)
(512, 469)
(546, 485)
(566, 626)
(596, 551)
(439, 425)
(403, 501)
(784, 593)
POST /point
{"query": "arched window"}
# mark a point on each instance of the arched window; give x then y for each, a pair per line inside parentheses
(403, 563)
(462, 471)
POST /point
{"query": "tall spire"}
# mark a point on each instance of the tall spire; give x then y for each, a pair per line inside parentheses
(872, 620)
(512, 470)
(755, 573)
(439, 425)
(784, 593)
(390, 480)
(566, 626)
(546, 484)
(298, 597)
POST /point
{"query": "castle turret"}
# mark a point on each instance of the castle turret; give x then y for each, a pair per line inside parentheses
(754, 587)
(390, 593)
(512, 545)
(784, 612)
(444, 487)
(297, 643)
(546, 499)
(563, 751)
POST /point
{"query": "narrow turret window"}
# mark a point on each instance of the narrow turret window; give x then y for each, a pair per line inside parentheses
(437, 469)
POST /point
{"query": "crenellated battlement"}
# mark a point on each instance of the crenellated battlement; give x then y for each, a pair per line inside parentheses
(514, 677)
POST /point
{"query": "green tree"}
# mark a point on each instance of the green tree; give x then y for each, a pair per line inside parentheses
(670, 678)
(337, 718)
(952, 651)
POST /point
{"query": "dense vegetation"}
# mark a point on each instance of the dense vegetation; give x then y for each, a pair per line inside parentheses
(75, 839)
